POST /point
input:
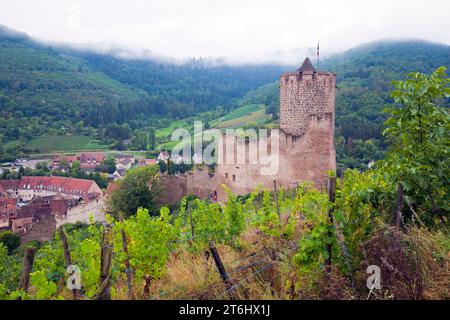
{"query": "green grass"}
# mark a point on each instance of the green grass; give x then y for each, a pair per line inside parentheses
(242, 111)
(176, 124)
(65, 143)
(243, 116)
(240, 117)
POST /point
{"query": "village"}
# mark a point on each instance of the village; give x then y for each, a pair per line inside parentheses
(33, 207)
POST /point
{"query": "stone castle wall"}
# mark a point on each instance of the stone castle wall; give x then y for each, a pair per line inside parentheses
(305, 143)
(304, 94)
(199, 182)
(306, 158)
(83, 213)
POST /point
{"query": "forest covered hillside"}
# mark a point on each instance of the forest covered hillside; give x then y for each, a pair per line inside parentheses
(48, 90)
(60, 90)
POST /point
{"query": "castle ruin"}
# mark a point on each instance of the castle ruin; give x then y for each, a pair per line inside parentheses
(305, 143)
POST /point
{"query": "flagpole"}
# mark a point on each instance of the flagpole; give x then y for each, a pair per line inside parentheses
(318, 55)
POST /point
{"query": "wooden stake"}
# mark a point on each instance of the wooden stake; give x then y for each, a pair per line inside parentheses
(26, 269)
(331, 197)
(220, 267)
(65, 246)
(67, 257)
(399, 206)
(127, 261)
(105, 265)
(191, 221)
(276, 199)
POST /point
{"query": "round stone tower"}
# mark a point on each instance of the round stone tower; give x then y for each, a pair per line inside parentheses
(305, 93)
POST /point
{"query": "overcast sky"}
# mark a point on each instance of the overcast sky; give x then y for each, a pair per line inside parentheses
(239, 30)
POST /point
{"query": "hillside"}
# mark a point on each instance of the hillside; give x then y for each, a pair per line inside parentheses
(49, 89)
(54, 90)
(363, 90)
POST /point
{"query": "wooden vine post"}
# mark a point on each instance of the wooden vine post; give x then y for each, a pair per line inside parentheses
(331, 197)
(127, 260)
(28, 260)
(275, 196)
(67, 257)
(106, 255)
(191, 221)
(220, 267)
(398, 217)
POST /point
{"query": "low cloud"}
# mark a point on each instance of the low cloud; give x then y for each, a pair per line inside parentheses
(251, 31)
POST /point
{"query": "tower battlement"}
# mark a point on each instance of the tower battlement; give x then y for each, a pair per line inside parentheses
(305, 92)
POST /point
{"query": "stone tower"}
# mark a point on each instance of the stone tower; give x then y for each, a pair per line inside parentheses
(304, 94)
(304, 147)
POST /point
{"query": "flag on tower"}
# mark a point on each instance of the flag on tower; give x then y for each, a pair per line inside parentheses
(318, 55)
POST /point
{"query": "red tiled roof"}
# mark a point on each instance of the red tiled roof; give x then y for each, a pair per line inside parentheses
(4, 202)
(125, 161)
(111, 188)
(10, 184)
(92, 158)
(57, 184)
(8, 208)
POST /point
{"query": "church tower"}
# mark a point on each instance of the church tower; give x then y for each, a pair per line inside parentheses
(304, 95)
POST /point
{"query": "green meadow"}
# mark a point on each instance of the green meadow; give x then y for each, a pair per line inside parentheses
(65, 143)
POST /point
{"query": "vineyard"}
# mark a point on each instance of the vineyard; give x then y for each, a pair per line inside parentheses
(274, 244)
(303, 245)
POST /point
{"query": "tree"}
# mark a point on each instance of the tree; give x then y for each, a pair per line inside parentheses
(64, 164)
(138, 189)
(76, 166)
(107, 166)
(139, 140)
(420, 134)
(10, 240)
(151, 139)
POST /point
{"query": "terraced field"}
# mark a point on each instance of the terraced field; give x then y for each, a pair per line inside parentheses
(244, 116)
(65, 143)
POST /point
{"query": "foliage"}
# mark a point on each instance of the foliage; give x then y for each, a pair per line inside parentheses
(10, 240)
(10, 268)
(138, 189)
(43, 289)
(149, 243)
(420, 134)
(54, 91)
(313, 207)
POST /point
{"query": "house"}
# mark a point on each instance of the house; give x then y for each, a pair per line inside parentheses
(22, 225)
(35, 206)
(112, 187)
(29, 187)
(56, 161)
(8, 211)
(89, 161)
(125, 163)
(141, 162)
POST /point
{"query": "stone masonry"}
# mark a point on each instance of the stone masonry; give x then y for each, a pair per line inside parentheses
(306, 142)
